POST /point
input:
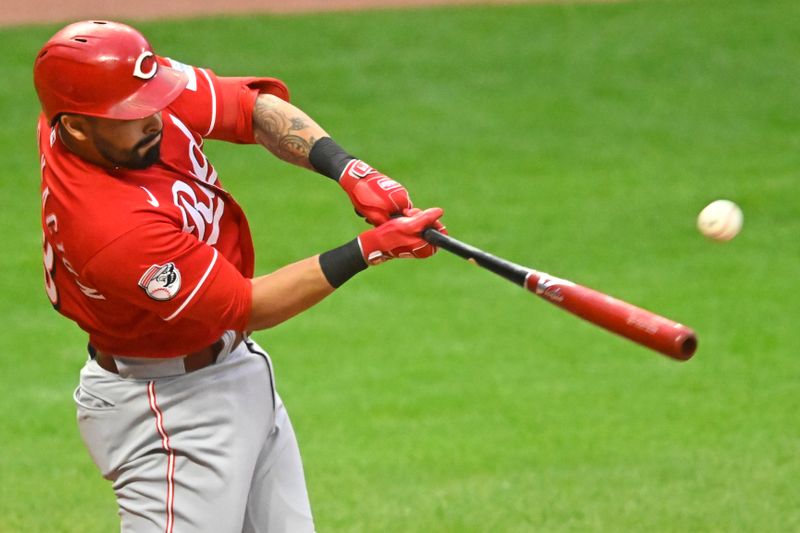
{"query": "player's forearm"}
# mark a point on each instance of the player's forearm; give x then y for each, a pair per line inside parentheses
(285, 130)
(287, 292)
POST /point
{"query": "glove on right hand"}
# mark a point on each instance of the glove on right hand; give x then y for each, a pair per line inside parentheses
(401, 237)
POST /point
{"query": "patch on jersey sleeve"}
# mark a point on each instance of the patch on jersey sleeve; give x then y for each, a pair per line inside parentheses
(189, 71)
(161, 282)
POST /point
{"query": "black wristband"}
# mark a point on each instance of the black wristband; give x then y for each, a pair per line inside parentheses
(342, 263)
(328, 158)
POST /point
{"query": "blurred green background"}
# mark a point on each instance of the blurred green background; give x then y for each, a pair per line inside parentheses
(430, 396)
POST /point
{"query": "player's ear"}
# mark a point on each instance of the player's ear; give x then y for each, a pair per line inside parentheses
(76, 126)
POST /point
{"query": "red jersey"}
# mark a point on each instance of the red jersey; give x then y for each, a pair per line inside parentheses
(154, 262)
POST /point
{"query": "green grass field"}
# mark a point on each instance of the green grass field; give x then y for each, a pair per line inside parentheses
(432, 396)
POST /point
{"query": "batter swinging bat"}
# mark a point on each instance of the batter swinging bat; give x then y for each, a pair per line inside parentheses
(640, 326)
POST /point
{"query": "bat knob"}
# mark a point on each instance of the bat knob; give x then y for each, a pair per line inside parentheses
(687, 346)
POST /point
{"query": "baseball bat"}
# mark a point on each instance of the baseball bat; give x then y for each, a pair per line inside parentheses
(639, 325)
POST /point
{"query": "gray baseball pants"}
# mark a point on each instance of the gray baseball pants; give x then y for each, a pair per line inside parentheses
(208, 451)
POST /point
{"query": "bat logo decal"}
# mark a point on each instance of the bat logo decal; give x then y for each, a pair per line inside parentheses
(550, 287)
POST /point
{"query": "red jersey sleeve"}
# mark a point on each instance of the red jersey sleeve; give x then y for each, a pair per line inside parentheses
(221, 107)
(172, 274)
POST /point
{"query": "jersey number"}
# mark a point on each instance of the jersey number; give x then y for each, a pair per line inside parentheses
(50, 272)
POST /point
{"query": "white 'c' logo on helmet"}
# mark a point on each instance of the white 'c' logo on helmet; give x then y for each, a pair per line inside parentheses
(137, 69)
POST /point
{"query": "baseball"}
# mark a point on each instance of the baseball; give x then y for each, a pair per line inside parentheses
(721, 220)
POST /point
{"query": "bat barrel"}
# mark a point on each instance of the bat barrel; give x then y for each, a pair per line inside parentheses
(639, 325)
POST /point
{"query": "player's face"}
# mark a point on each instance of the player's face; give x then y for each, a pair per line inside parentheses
(134, 144)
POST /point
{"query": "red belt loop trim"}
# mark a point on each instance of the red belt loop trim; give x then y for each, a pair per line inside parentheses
(151, 396)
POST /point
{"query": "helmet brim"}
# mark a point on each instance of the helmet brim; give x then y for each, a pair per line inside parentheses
(156, 94)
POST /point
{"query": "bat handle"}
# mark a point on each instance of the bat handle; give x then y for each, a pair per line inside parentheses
(511, 271)
(433, 236)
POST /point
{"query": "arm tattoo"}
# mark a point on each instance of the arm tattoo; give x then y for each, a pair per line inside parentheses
(294, 144)
(298, 123)
(285, 130)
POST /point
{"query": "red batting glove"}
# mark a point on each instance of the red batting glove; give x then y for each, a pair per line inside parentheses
(375, 196)
(401, 237)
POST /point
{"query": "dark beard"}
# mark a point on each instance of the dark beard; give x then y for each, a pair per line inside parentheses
(134, 161)
(149, 158)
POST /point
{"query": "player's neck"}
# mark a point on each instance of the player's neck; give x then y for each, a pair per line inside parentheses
(85, 150)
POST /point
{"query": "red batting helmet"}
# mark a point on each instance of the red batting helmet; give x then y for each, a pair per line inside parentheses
(103, 69)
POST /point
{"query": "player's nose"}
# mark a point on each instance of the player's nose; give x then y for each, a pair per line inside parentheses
(153, 124)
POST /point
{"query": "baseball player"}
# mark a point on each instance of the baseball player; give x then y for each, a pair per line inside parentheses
(147, 252)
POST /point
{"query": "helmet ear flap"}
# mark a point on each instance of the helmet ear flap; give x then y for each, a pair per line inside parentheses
(104, 69)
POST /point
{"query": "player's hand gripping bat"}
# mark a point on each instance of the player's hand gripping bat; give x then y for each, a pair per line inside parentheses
(640, 326)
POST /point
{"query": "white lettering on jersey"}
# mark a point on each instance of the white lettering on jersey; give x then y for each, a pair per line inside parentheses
(197, 214)
(49, 271)
(200, 213)
(186, 69)
(49, 257)
(67, 264)
(201, 168)
(50, 220)
(90, 292)
(151, 71)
